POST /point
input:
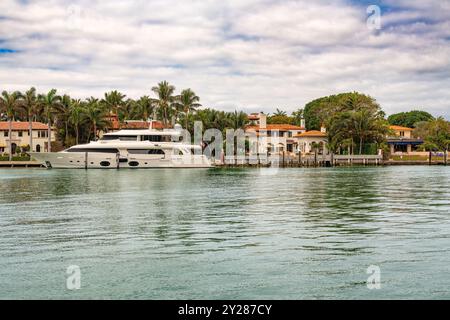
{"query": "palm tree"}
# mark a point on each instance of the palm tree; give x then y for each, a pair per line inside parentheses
(238, 119)
(62, 111)
(279, 113)
(339, 131)
(126, 109)
(165, 99)
(49, 102)
(368, 125)
(298, 117)
(9, 103)
(113, 101)
(76, 117)
(95, 115)
(29, 103)
(187, 102)
(143, 108)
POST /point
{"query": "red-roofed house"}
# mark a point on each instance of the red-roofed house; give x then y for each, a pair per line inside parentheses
(20, 136)
(274, 138)
(312, 140)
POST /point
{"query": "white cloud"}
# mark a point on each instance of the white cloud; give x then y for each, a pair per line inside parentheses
(249, 54)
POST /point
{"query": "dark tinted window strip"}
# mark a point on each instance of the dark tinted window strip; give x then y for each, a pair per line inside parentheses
(145, 151)
(98, 150)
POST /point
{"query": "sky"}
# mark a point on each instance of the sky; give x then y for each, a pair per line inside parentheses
(251, 55)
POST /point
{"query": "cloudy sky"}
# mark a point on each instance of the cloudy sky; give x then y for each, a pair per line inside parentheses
(255, 55)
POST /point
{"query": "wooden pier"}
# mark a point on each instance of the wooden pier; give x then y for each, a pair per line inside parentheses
(315, 160)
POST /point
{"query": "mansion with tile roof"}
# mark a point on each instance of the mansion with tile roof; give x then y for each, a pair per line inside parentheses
(279, 138)
(402, 140)
(20, 136)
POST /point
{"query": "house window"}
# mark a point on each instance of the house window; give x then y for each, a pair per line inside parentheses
(6, 133)
(20, 133)
(402, 133)
(42, 134)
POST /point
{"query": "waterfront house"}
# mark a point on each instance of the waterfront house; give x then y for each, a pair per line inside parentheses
(402, 140)
(20, 136)
(310, 141)
(273, 138)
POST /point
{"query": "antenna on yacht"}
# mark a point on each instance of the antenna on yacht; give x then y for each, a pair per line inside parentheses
(151, 124)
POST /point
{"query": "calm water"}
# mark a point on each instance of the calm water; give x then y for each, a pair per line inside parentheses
(226, 234)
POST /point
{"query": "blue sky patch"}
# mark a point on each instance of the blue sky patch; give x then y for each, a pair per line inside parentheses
(6, 50)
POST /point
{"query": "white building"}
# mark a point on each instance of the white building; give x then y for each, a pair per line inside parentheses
(273, 138)
(313, 140)
(20, 136)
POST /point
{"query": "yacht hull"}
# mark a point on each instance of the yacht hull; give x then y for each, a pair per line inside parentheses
(82, 160)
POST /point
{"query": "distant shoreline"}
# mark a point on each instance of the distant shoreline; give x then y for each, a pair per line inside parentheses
(36, 164)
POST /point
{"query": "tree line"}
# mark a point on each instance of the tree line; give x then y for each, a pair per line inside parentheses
(353, 120)
(79, 121)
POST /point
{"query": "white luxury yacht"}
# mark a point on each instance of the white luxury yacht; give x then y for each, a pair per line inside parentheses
(129, 149)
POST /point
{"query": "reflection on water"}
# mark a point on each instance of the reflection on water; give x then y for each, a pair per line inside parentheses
(243, 233)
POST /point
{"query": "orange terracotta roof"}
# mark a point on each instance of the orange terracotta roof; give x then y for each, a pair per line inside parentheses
(132, 124)
(312, 133)
(280, 127)
(22, 126)
(400, 128)
(142, 125)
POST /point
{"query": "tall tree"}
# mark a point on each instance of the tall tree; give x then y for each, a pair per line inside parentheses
(126, 109)
(355, 120)
(238, 119)
(297, 117)
(319, 111)
(29, 103)
(187, 102)
(165, 99)
(95, 115)
(76, 117)
(113, 101)
(280, 113)
(48, 103)
(62, 115)
(143, 108)
(9, 103)
(409, 119)
(367, 125)
(436, 134)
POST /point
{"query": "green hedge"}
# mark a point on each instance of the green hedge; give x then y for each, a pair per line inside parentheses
(15, 158)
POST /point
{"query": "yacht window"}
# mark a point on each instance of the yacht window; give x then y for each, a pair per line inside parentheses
(106, 138)
(156, 151)
(157, 138)
(121, 138)
(128, 138)
(145, 151)
(96, 150)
